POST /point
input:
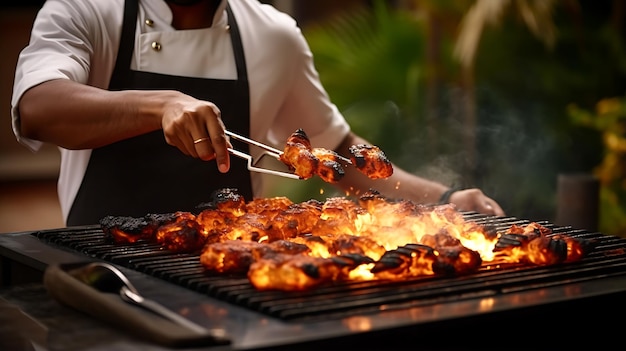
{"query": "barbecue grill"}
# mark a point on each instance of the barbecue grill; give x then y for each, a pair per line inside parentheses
(499, 303)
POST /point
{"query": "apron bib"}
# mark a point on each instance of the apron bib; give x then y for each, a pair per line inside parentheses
(144, 174)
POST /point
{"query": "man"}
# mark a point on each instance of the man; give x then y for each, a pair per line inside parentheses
(137, 95)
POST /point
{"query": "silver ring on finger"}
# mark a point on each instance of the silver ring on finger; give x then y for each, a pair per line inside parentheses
(197, 141)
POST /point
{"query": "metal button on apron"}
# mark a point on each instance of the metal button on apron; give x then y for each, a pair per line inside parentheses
(149, 22)
(156, 46)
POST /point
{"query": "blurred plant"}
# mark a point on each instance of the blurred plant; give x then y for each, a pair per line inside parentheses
(609, 118)
(474, 92)
(394, 75)
(586, 64)
(370, 61)
(536, 15)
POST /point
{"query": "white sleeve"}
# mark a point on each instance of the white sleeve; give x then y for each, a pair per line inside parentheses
(307, 104)
(63, 39)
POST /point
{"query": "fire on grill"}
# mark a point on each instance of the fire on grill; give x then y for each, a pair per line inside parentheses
(282, 245)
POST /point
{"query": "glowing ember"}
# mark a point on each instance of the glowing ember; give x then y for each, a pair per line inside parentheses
(296, 246)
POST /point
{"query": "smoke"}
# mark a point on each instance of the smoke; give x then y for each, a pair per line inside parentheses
(510, 151)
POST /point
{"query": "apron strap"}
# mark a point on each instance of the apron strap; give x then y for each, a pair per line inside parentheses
(127, 43)
(242, 72)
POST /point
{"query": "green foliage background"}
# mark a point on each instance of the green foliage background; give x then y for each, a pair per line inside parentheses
(373, 63)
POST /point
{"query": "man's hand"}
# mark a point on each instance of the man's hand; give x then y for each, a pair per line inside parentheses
(475, 200)
(196, 128)
(98, 117)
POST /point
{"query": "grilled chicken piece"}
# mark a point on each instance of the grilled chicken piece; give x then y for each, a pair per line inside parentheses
(456, 260)
(339, 216)
(452, 257)
(236, 256)
(391, 209)
(532, 243)
(297, 219)
(249, 227)
(268, 206)
(545, 250)
(328, 168)
(351, 244)
(300, 272)
(306, 214)
(128, 230)
(231, 256)
(441, 239)
(306, 161)
(182, 235)
(178, 231)
(410, 260)
(371, 161)
(577, 248)
(215, 224)
(298, 155)
(279, 247)
(341, 208)
(228, 200)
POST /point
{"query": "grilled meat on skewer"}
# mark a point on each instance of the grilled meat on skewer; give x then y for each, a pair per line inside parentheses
(371, 161)
(298, 155)
(307, 161)
(328, 167)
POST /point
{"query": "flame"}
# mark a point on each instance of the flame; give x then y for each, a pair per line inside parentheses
(296, 246)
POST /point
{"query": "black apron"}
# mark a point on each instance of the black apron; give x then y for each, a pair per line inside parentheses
(144, 174)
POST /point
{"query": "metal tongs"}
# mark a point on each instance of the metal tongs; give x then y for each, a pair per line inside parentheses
(252, 164)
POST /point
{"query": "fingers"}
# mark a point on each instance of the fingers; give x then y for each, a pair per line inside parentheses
(215, 147)
(203, 147)
(219, 142)
(488, 206)
(476, 200)
(213, 144)
(204, 152)
(195, 127)
(497, 210)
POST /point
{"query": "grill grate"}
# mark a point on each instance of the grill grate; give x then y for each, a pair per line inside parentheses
(350, 298)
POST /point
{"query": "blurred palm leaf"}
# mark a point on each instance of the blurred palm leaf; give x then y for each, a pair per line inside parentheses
(535, 14)
(371, 60)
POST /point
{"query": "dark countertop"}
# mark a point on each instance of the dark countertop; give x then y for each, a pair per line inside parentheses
(31, 320)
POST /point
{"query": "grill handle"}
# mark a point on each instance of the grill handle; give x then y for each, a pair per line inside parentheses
(109, 307)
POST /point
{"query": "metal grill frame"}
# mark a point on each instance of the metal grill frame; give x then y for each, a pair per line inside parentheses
(346, 299)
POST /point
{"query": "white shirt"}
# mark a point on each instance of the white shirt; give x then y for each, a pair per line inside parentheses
(79, 40)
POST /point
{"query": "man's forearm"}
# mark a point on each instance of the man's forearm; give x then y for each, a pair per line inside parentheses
(401, 185)
(76, 116)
